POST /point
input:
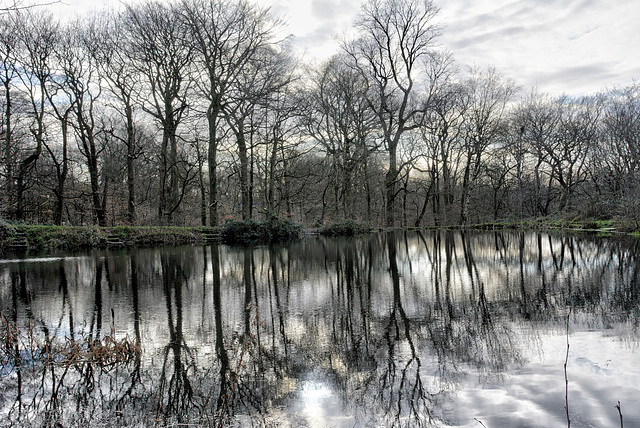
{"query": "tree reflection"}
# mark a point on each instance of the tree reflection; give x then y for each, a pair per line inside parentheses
(60, 369)
(403, 391)
(236, 390)
(175, 391)
(386, 326)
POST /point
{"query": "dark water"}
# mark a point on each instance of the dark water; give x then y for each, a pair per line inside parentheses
(406, 329)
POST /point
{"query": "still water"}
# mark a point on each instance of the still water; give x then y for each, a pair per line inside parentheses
(442, 329)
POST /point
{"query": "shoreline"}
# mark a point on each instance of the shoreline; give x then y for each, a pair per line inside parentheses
(26, 238)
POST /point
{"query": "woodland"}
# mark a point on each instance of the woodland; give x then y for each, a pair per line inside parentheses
(198, 112)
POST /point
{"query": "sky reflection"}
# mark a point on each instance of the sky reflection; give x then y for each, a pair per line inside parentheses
(406, 329)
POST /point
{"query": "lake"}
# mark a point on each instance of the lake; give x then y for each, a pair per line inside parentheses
(438, 328)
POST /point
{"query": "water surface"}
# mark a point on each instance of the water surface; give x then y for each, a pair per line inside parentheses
(400, 329)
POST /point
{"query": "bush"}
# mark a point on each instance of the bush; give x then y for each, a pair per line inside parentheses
(5, 233)
(346, 228)
(251, 231)
(154, 235)
(61, 237)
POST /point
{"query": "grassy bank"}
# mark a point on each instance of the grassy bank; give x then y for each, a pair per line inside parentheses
(545, 224)
(48, 238)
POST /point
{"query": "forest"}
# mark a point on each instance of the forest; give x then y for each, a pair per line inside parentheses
(199, 112)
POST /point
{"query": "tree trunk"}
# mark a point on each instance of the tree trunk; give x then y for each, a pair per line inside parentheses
(212, 155)
(466, 184)
(94, 178)
(244, 173)
(162, 170)
(272, 180)
(390, 186)
(131, 176)
(174, 178)
(62, 171)
(423, 210)
(368, 190)
(8, 155)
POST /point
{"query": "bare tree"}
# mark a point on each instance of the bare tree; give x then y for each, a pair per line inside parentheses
(393, 49)
(62, 102)
(485, 122)
(536, 119)
(8, 73)
(276, 125)
(571, 144)
(38, 36)
(84, 88)
(226, 37)
(337, 115)
(156, 36)
(442, 134)
(110, 51)
(263, 75)
(616, 160)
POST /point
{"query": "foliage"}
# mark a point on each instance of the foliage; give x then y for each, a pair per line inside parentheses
(61, 237)
(107, 351)
(347, 228)
(5, 232)
(250, 231)
(150, 236)
(77, 237)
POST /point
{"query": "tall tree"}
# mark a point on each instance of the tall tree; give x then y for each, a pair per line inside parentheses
(338, 116)
(156, 36)
(84, 88)
(226, 37)
(571, 144)
(536, 120)
(38, 36)
(266, 76)
(394, 47)
(617, 158)
(442, 134)
(8, 73)
(276, 118)
(61, 98)
(111, 51)
(485, 123)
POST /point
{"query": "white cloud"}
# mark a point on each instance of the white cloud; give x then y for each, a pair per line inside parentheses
(572, 46)
(316, 23)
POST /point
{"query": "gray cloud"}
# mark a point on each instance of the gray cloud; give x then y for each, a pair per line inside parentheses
(494, 35)
(573, 46)
(558, 45)
(325, 9)
(577, 80)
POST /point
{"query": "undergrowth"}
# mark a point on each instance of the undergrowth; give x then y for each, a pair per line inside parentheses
(250, 231)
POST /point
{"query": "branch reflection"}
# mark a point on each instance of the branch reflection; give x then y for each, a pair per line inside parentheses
(379, 330)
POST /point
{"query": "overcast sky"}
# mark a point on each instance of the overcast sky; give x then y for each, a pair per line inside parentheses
(560, 46)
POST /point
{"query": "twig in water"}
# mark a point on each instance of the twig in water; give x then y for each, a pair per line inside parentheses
(620, 413)
(566, 378)
(480, 422)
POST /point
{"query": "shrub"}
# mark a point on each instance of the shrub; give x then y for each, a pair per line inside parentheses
(61, 237)
(250, 231)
